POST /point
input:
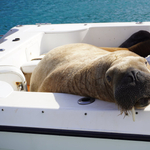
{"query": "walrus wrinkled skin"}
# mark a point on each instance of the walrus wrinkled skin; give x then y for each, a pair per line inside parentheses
(122, 77)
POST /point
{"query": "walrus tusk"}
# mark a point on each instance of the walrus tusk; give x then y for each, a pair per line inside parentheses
(133, 113)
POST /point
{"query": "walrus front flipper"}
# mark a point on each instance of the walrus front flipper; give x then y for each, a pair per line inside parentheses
(137, 37)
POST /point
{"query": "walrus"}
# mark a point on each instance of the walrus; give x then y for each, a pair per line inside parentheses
(122, 77)
(139, 43)
(136, 38)
(141, 48)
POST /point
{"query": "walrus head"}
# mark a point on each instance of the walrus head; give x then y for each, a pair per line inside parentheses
(129, 78)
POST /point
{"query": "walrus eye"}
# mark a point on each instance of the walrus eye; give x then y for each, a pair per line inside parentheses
(146, 63)
(108, 78)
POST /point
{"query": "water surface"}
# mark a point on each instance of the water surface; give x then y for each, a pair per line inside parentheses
(16, 12)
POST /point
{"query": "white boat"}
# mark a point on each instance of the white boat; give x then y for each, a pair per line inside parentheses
(42, 121)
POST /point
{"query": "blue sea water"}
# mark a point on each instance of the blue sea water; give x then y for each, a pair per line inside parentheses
(16, 12)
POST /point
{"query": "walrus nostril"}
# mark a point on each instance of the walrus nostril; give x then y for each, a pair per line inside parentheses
(132, 76)
(136, 74)
(129, 78)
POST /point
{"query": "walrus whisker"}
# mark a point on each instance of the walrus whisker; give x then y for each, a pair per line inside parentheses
(123, 111)
(120, 113)
(126, 113)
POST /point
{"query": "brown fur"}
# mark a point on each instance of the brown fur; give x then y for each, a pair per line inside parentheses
(113, 49)
(142, 48)
(70, 80)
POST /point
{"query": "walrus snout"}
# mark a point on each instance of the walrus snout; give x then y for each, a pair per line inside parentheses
(133, 89)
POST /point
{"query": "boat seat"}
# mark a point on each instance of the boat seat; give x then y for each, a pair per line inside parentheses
(28, 67)
(13, 76)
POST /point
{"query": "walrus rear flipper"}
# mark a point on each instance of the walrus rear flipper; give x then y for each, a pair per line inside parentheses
(137, 37)
(142, 48)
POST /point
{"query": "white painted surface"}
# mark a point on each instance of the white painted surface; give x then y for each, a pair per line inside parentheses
(12, 75)
(61, 111)
(16, 141)
(5, 89)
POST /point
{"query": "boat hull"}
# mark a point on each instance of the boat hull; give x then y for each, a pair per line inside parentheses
(28, 141)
